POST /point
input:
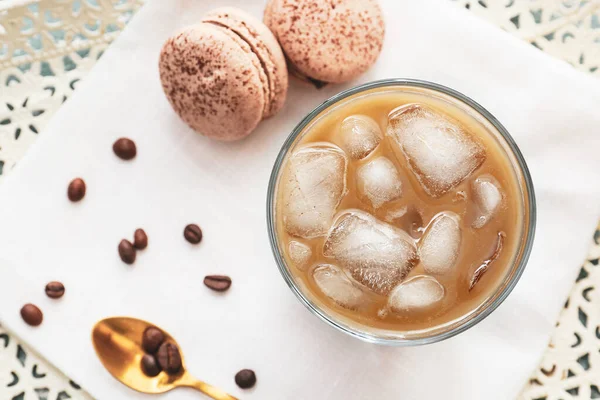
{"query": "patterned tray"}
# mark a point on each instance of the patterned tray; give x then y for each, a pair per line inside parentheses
(47, 46)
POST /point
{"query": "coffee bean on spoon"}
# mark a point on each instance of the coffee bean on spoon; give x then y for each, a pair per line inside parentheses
(127, 251)
(245, 379)
(140, 239)
(55, 290)
(150, 366)
(219, 283)
(169, 357)
(193, 233)
(76, 190)
(32, 315)
(125, 148)
(152, 339)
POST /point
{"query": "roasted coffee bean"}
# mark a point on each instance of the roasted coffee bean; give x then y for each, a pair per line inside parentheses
(76, 190)
(32, 315)
(150, 366)
(125, 148)
(55, 290)
(140, 239)
(127, 251)
(193, 233)
(219, 283)
(245, 379)
(169, 358)
(152, 339)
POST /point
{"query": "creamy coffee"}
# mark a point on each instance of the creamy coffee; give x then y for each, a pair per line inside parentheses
(399, 209)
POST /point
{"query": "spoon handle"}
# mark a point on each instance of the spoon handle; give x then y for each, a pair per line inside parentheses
(210, 391)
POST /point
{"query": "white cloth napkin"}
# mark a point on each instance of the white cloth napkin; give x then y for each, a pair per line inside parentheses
(181, 177)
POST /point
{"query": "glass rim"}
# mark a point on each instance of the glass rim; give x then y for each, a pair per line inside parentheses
(520, 164)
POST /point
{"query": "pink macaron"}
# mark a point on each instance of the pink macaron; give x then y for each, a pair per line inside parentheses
(328, 41)
(224, 75)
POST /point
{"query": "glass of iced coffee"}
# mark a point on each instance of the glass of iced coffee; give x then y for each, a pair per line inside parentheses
(401, 212)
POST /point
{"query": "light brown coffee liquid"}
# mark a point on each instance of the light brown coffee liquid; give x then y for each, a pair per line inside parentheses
(477, 245)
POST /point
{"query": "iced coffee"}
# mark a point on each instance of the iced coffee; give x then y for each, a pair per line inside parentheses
(400, 209)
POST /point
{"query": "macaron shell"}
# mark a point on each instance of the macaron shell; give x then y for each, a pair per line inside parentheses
(252, 56)
(264, 45)
(328, 40)
(212, 83)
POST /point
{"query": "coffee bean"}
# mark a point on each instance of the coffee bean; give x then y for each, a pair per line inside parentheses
(140, 239)
(193, 233)
(32, 315)
(219, 283)
(76, 190)
(127, 251)
(152, 339)
(55, 290)
(169, 358)
(245, 379)
(125, 148)
(150, 366)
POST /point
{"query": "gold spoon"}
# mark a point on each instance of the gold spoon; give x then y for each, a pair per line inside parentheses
(118, 344)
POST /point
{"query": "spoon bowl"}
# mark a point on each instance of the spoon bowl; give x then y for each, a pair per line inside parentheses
(118, 344)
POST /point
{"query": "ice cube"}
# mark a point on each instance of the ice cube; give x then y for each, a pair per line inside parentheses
(438, 151)
(359, 136)
(335, 284)
(408, 218)
(488, 198)
(313, 186)
(395, 213)
(376, 254)
(459, 196)
(378, 181)
(416, 293)
(440, 244)
(300, 254)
